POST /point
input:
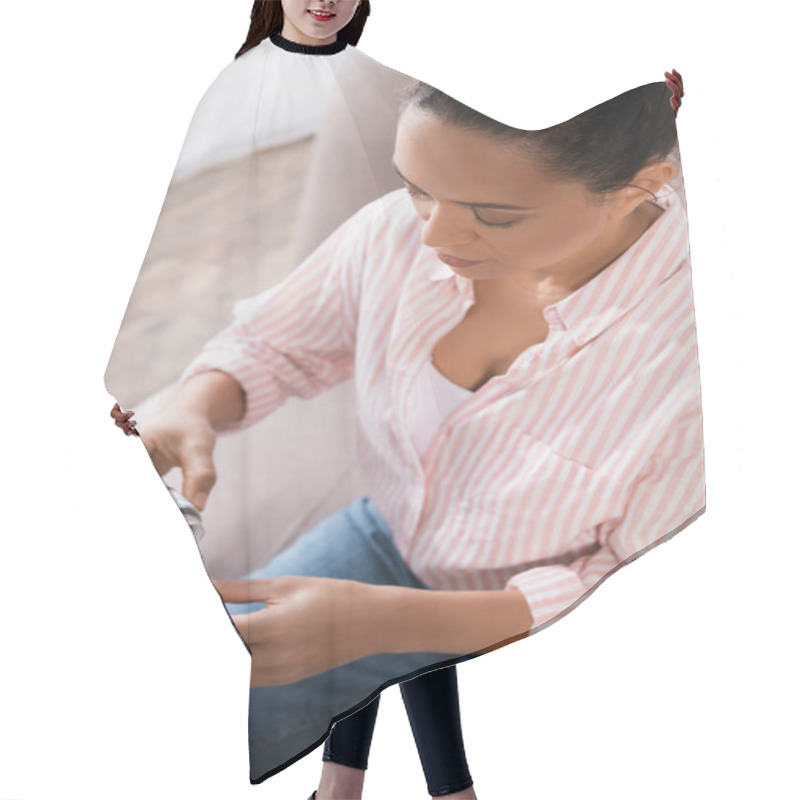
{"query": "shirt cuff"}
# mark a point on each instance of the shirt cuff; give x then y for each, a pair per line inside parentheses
(550, 591)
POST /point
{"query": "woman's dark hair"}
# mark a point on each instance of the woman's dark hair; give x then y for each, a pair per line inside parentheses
(266, 19)
(603, 147)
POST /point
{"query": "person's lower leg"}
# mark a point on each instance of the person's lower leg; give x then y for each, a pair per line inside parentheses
(433, 710)
(339, 782)
(346, 755)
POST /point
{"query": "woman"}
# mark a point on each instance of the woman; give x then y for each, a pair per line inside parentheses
(544, 276)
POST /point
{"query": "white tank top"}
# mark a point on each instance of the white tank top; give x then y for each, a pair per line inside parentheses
(433, 397)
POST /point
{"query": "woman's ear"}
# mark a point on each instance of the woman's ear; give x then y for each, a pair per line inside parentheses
(648, 181)
(654, 176)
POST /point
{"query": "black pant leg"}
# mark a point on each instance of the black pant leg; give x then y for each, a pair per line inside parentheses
(351, 737)
(433, 710)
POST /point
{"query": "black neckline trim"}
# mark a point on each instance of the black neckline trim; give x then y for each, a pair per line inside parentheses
(308, 49)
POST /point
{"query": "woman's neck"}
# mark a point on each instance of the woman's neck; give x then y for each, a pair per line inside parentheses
(543, 288)
(607, 252)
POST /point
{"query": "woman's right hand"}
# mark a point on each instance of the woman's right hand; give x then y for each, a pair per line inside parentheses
(187, 442)
(184, 433)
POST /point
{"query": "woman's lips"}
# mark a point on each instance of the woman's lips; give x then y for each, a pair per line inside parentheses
(322, 16)
(458, 263)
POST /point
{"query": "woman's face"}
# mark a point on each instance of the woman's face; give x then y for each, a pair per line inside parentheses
(316, 22)
(491, 212)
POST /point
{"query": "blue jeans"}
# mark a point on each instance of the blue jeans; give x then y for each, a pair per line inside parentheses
(287, 722)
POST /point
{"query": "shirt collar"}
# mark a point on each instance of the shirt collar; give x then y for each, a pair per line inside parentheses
(309, 49)
(661, 251)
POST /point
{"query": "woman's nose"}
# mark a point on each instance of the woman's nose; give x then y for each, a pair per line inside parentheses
(445, 227)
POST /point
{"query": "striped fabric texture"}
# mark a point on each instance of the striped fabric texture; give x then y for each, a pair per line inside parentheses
(584, 454)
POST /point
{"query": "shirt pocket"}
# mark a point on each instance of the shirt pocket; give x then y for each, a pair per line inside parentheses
(541, 505)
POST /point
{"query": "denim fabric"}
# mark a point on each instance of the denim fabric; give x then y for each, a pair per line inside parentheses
(286, 722)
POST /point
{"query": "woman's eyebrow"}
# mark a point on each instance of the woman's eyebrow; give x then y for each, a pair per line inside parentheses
(499, 206)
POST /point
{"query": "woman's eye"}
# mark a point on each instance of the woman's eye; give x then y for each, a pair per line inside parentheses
(494, 219)
(486, 216)
(417, 193)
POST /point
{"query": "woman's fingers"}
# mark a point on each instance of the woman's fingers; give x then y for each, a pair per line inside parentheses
(199, 475)
(189, 446)
(242, 625)
(304, 630)
(277, 676)
(162, 462)
(240, 591)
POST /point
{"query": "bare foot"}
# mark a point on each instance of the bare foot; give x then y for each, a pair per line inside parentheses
(340, 783)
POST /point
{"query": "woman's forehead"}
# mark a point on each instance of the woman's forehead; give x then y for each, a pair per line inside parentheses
(470, 166)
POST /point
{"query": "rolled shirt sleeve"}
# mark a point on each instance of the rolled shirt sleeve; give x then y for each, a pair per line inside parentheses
(667, 496)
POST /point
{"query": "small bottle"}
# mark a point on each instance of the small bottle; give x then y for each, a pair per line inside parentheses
(190, 513)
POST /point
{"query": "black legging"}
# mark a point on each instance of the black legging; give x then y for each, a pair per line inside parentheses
(431, 702)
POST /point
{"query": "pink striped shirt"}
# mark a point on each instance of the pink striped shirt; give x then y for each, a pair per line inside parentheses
(586, 452)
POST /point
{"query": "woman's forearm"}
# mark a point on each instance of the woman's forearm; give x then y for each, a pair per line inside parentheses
(215, 396)
(420, 620)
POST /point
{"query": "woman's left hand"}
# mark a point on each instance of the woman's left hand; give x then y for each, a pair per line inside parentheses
(310, 625)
